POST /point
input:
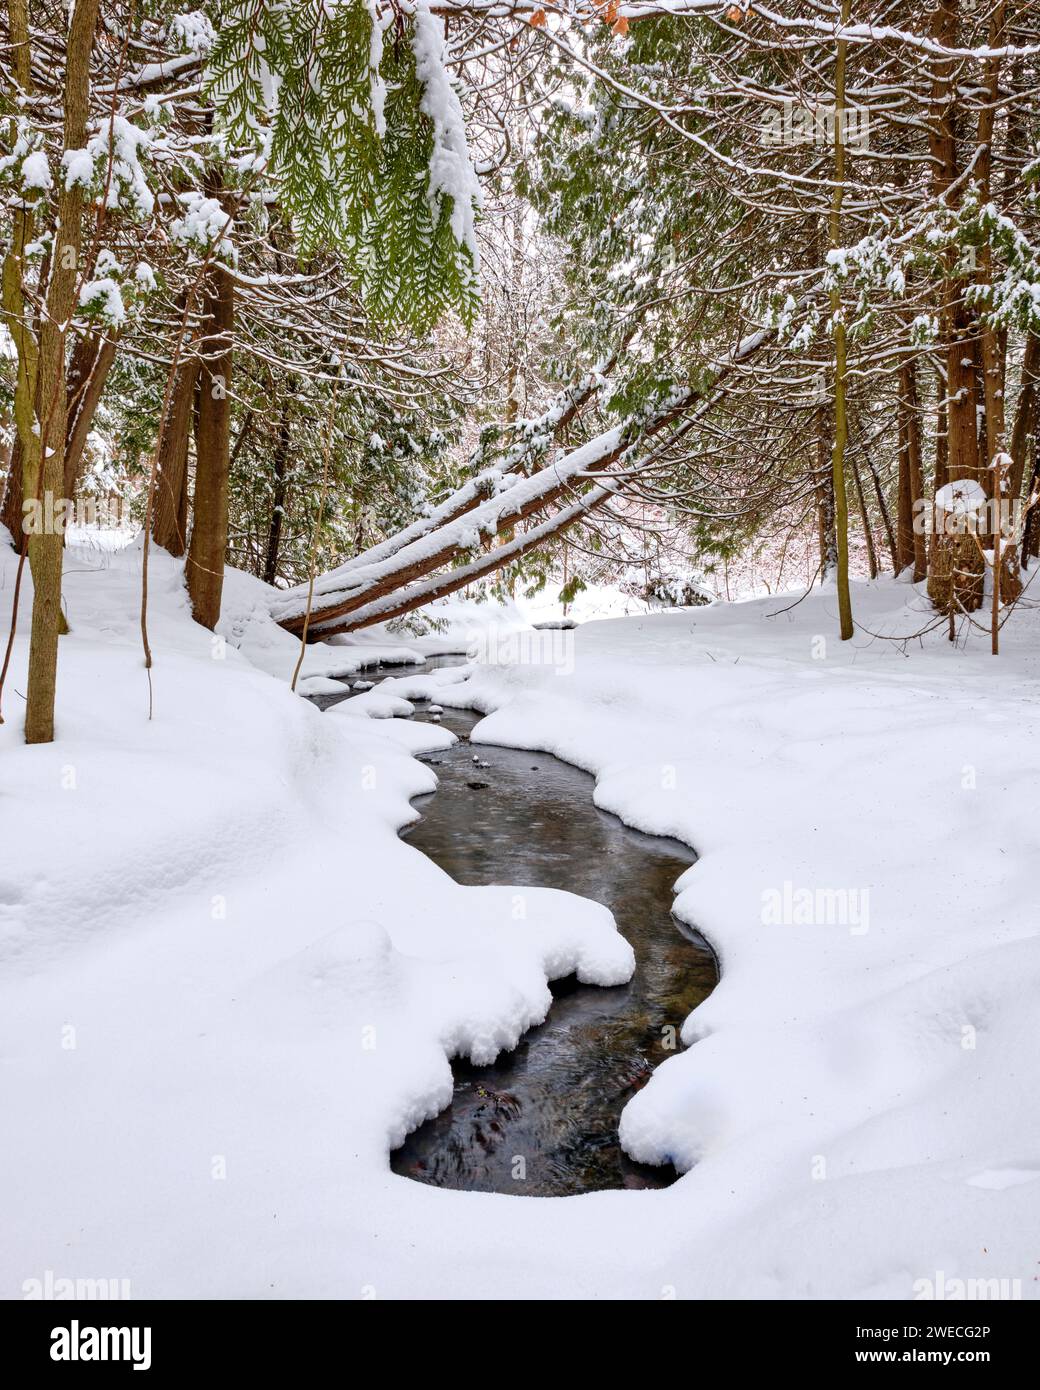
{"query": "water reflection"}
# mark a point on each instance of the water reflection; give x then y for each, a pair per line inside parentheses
(554, 1101)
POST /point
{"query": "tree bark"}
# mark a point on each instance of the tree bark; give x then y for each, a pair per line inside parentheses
(205, 564)
(993, 345)
(904, 490)
(864, 516)
(171, 483)
(912, 546)
(281, 479)
(25, 455)
(11, 508)
(825, 493)
(841, 500)
(91, 362)
(46, 550)
(1025, 414)
(956, 577)
(879, 493)
(89, 366)
(1031, 537)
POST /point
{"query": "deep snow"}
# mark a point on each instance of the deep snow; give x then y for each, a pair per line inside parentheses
(227, 985)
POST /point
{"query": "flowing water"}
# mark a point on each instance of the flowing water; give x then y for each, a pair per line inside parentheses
(542, 1119)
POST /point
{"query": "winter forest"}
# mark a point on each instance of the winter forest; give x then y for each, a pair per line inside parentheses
(520, 661)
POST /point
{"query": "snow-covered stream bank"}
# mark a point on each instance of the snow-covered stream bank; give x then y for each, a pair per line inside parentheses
(542, 1119)
(856, 1112)
(229, 989)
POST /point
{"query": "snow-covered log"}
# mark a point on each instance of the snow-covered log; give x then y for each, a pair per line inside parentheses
(350, 597)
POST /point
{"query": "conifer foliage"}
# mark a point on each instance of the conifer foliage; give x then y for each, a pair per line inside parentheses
(350, 106)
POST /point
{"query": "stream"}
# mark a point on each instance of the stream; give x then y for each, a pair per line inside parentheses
(555, 1100)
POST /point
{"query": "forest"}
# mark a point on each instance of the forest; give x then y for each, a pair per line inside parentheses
(645, 391)
(307, 289)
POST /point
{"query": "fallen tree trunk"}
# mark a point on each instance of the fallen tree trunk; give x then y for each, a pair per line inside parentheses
(349, 599)
(358, 588)
(398, 603)
(482, 486)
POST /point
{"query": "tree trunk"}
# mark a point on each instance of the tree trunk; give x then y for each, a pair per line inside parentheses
(864, 517)
(879, 493)
(916, 552)
(46, 550)
(825, 494)
(171, 483)
(281, 480)
(956, 577)
(904, 490)
(1025, 414)
(1031, 537)
(942, 442)
(88, 370)
(91, 362)
(1016, 546)
(993, 345)
(11, 509)
(841, 501)
(17, 315)
(205, 565)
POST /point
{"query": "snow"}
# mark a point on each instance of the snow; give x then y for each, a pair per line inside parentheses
(248, 627)
(122, 145)
(79, 168)
(193, 31)
(320, 685)
(372, 704)
(235, 987)
(104, 297)
(205, 223)
(961, 498)
(854, 1084)
(466, 531)
(381, 19)
(452, 176)
(36, 173)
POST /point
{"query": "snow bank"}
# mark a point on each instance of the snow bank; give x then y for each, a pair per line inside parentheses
(855, 1108)
(227, 986)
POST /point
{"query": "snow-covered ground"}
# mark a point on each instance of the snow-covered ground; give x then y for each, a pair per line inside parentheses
(228, 987)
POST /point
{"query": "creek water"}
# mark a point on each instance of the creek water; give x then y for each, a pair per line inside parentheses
(542, 1119)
